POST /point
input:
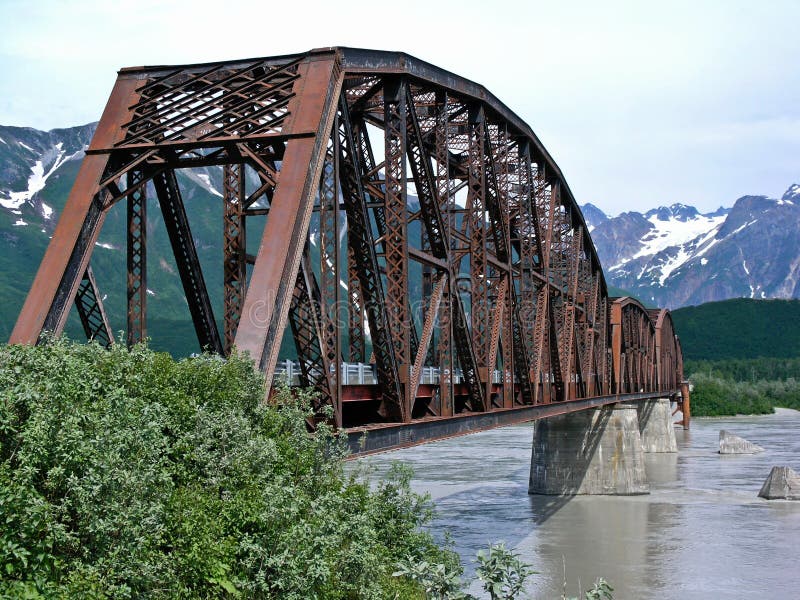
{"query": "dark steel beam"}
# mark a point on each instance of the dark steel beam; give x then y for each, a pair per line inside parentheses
(183, 247)
(234, 250)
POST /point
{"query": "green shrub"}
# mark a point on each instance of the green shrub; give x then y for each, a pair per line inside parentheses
(126, 474)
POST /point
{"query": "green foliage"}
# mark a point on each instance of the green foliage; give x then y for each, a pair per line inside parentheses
(714, 396)
(741, 355)
(126, 474)
(436, 580)
(502, 572)
(753, 369)
(740, 328)
(601, 590)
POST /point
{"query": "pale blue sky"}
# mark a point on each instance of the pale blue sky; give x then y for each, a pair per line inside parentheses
(641, 103)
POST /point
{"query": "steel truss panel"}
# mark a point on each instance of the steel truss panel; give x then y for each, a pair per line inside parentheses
(91, 312)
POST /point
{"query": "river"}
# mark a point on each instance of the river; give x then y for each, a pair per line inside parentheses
(702, 532)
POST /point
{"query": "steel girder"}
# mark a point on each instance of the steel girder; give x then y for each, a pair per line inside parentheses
(137, 259)
(413, 221)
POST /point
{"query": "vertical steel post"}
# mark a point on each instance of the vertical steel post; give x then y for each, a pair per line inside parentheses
(137, 260)
(479, 267)
(329, 274)
(446, 205)
(234, 250)
(396, 237)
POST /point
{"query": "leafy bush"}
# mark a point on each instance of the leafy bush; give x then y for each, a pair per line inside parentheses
(502, 572)
(126, 474)
(715, 396)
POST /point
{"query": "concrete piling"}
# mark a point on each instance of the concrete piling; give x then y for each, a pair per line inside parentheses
(655, 426)
(598, 451)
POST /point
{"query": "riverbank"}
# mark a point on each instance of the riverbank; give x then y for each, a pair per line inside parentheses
(717, 396)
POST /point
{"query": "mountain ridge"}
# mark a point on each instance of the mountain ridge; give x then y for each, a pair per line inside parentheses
(668, 256)
(676, 256)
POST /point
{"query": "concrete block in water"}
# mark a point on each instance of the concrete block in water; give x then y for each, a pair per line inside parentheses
(655, 426)
(596, 451)
(783, 483)
(733, 444)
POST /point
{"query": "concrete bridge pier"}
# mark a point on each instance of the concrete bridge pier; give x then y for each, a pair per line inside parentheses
(597, 451)
(655, 426)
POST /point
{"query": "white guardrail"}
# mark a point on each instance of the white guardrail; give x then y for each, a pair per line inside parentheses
(288, 372)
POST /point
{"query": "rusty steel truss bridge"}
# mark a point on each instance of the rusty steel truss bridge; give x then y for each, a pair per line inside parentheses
(423, 247)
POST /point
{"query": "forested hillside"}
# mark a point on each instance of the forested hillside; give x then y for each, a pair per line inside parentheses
(739, 329)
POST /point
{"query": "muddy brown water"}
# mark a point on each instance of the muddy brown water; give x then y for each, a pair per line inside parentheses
(702, 532)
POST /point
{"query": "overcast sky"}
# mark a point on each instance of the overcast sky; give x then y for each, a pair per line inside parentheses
(641, 103)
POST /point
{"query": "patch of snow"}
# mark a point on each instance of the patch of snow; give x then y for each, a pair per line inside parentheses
(738, 229)
(673, 263)
(150, 292)
(77, 154)
(48, 211)
(19, 223)
(619, 264)
(704, 261)
(666, 234)
(708, 238)
(36, 181)
(43, 231)
(16, 212)
(26, 147)
(207, 183)
(744, 266)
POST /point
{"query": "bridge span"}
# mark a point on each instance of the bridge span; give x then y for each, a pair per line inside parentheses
(415, 232)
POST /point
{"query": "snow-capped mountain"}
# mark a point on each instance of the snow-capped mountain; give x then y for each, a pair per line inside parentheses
(28, 158)
(675, 256)
(37, 170)
(672, 256)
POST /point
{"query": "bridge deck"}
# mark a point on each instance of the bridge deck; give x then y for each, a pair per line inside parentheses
(391, 436)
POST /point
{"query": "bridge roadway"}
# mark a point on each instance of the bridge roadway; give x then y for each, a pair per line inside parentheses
(406, 218)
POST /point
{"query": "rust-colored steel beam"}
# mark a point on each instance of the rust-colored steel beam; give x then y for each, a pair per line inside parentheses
(266, 305)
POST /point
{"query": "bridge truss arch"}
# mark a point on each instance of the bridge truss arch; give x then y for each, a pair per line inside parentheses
(415, 227)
